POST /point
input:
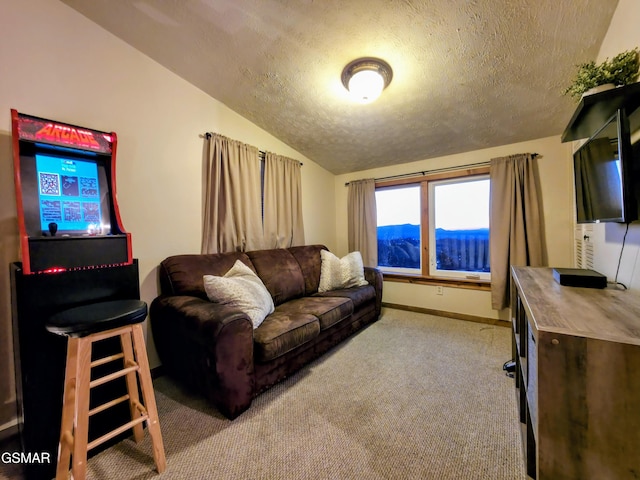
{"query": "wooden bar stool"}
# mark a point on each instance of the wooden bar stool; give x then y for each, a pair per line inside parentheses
(83, 326)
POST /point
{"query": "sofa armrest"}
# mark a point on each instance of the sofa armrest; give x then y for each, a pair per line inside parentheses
(374, 277)
(209, 346)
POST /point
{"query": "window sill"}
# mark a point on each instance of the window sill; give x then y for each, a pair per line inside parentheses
(484, 285)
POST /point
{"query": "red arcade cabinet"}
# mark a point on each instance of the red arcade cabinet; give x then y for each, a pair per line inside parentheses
(68, 213)
(74, 251)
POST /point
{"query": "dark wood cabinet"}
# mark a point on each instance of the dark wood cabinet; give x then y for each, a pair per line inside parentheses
(577, 378)
(41, 356)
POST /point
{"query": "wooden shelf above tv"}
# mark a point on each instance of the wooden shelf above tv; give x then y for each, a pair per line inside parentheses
(593, 111)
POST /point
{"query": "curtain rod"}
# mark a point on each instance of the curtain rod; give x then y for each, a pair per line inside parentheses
(207, 135)
(435, 170)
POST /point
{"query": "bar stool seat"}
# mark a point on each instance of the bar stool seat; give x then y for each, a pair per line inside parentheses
(97, 317)
(83, 326)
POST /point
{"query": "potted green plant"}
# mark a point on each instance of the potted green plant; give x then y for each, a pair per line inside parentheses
(620, 70)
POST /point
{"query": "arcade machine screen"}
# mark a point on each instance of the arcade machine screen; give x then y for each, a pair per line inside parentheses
(69, 195)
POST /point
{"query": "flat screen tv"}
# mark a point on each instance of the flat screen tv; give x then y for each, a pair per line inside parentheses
(606, 176)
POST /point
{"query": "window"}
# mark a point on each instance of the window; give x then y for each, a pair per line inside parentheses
(459, 234)
(399, 244)
(437, 227)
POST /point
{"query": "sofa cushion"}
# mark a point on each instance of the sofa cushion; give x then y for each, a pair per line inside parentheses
(282, 332)
(358, 295)
(328, 310)
(344, 272)
(280, 272)
(308, 257)
(182, 274)
(240, 287)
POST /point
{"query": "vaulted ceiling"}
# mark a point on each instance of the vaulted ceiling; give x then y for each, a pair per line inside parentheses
(467, 74)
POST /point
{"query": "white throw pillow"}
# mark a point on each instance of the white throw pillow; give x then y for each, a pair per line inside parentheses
(241, 288)
(344, 272)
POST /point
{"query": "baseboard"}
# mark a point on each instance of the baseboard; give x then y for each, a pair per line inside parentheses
(442, 313)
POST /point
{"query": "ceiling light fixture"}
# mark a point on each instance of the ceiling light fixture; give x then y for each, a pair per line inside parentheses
(365, 78)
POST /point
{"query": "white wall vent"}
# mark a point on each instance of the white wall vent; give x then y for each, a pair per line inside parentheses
(584, 246)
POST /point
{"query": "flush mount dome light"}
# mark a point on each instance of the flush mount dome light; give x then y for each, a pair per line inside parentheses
(365, 78)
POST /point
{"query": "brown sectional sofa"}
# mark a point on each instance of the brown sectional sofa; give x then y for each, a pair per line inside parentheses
(214, 348)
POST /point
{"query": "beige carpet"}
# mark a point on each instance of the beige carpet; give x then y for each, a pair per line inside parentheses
(413, 396)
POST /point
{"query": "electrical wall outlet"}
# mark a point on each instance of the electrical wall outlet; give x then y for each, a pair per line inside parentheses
(439, 290)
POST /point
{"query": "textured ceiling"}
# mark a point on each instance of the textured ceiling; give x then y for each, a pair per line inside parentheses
(467, 74)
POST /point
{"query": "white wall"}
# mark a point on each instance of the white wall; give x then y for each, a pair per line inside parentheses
(554, 170)
(59, 65)
(623, 34)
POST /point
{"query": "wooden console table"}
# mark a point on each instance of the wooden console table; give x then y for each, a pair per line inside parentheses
(577, 353)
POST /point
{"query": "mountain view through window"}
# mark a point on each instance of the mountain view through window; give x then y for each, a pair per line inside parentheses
(459, 228)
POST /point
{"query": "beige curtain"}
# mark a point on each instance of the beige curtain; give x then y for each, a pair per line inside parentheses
(232, 206)
(283, 225)
(362, 220)
(515, 222)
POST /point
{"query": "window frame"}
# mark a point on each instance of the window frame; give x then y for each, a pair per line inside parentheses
(426, 277)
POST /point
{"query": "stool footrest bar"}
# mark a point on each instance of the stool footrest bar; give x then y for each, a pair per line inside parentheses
(107, 405)
(110, 358)
(112, 376)
(140, 407)
(116, 432)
